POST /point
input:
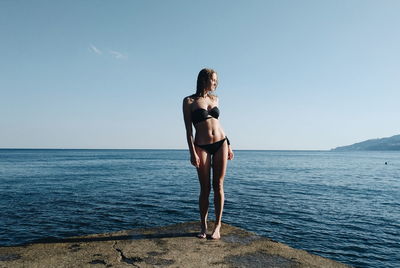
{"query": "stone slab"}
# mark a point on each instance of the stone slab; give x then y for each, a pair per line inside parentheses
(169, 246)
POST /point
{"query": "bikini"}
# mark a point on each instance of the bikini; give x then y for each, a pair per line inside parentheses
(200, 115)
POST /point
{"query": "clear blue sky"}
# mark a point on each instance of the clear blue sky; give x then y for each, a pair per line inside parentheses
(112, 74)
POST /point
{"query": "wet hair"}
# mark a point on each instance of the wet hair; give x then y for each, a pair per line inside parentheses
(203, 80)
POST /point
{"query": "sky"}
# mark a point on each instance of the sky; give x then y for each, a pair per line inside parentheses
(293, 75)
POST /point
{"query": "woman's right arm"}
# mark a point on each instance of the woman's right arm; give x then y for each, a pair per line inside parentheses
(194, 159)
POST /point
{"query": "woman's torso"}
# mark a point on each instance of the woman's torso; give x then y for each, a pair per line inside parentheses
(209, 130)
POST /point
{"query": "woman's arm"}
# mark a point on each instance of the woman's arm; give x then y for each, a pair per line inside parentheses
(194, 159)
(230, 152)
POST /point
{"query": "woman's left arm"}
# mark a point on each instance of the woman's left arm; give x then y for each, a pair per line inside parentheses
(231, 155)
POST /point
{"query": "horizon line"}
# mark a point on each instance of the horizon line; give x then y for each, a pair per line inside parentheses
(160, 149)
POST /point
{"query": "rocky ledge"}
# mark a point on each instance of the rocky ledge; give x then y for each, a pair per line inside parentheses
(170, 246)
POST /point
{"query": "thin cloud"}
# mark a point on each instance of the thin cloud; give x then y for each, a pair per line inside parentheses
(117, 55)
(95, 50)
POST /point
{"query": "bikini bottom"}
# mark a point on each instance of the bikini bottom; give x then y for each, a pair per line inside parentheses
(213, 147)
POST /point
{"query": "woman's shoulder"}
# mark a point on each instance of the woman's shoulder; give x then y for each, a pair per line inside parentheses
(214, 99)
(189, 99)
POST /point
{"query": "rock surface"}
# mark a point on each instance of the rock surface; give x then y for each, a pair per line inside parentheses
(170, 246)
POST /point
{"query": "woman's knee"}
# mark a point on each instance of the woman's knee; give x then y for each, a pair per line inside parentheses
(218, 185)
(205, 190)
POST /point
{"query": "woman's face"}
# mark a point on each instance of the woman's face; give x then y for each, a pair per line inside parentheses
(213, 82)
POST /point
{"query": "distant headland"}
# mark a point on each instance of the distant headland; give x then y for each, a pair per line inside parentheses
(383, 144)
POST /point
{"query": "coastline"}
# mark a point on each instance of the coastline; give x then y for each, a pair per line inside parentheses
(168, 246)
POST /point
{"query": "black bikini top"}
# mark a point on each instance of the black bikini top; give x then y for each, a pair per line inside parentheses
(200, 114)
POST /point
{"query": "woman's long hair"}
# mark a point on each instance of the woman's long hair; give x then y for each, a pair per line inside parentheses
(203, 81)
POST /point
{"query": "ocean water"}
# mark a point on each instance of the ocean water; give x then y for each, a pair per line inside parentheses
(340, 205)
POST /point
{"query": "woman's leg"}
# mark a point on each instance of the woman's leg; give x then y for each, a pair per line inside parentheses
(220, 161)
(204, 178)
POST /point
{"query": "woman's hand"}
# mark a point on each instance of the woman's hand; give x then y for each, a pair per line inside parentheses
(230, 153)
(195, 160)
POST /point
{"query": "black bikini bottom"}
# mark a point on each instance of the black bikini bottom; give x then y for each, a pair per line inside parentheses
(213, 147)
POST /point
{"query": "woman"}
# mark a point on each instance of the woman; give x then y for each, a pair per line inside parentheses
(210, 148)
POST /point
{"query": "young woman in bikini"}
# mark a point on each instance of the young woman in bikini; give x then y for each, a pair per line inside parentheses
(210, 149)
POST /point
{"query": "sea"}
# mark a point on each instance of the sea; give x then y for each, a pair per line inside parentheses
(341, 205)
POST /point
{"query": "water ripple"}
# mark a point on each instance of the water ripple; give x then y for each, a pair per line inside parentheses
(342, 206)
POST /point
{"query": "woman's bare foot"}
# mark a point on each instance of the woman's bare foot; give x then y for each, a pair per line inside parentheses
(201, 235)
(215, 234)
(203, 232)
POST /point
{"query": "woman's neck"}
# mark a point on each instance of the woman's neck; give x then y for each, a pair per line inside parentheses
(204, 95)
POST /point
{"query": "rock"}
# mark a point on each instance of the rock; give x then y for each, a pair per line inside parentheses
(170, 246)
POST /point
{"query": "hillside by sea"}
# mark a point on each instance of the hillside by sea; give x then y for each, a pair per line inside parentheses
(382, 144)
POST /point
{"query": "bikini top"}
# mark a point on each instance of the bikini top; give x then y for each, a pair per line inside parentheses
(200, 114)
